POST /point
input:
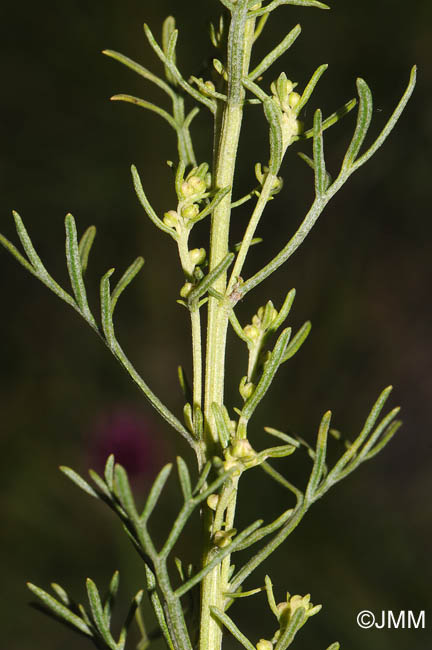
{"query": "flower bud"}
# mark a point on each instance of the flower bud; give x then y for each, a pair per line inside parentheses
(223, 537)
(198, 184)
(264, 644)
(212, 501)
(190, 211)
(242, 449)
(186, 289)
(293, 99)
(197, 255)
(246, 388)
(251, 332)
(170, 218)
(187, 189)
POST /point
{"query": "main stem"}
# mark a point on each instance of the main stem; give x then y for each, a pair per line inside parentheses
(240, 40)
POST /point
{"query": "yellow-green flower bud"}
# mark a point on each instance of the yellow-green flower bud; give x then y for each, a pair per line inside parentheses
(187, 189)
(294, 99)
(242, 449)
(198, 184)
(190, 211)
(251, 332)
(212, 501)
(264, 644)
(210, 86)
(197, 255)
(223, 537)
(186, 289)
(170, 218)
(246, 388)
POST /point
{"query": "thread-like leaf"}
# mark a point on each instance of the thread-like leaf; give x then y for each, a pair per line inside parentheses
(60, 611)
(288, 634)
(125, 280)
(232, 627)
(284, 310)
(76, 478)
(334, 646)
(106, 310)
(319, 466)
(388, 435)
(124, 492)
(274, 118)
(364, 117)
(100, 483)
(310, 87)
(298, 340)
(184, 478)
(218, 197)
(331, 119)
(209, 279)
(270, 369)
(74, 268)
(109, 472)
(137, 101)
(139, 69)
(155, 492)
(109, 599)
(270, 597)
(147, 206)
(221, 425)
(277, 3)
(85, 245)
(268, 60)
(98, 614)
(318, 155)
(203, 477)
(61, 593)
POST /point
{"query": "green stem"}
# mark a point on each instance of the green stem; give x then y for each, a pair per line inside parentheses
(240, 41)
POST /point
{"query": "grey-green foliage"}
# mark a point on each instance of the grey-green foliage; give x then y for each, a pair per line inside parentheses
(218, 432)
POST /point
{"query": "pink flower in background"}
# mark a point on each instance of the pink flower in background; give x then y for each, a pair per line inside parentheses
(132, 438)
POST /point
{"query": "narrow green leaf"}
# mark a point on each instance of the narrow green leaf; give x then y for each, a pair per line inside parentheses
(284, 311)
(73, 259)
(131, 613)
(157, 607)
(109, 472)
(270, 597)
(232, 627)
(106, 310)
(124, 492)
(318, 155)
(202, 478)
(61, 593)
(60, 611)
(364, 117)
(210, 278)
(76, 478)
(376, 434)
(277, 476)
(288, 634)
(39, 269)
(155, 492)
(270, 369)
(139, 69)
(109, 599)
(198, 422)
(310, 87)
(262, 532)
(298, 340)
(85, 245)
(331, 119)
(137, 101)
(273, 116)
(184, 478)
(391, 122)
(334, 646)
(277, 3)
(125, 280)
(319, 466)
(221, 426)
(184, 384)
(218, 197)
(282, 436)
(146, 204)
(388, 435)
(310, 163)
(17, 255)
(100, 483)
(268, 60)
(98, 614)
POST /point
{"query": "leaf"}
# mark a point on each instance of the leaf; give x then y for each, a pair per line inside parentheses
(76, 478)
(270, 369)
(298, 340)
(111, 596)
(203, 477)
(221, 425)
(364, 117)
(310, 87)
(61, 593)
(210, 278)
(143, 72)
(277, 3)
(109, 472)
(184, 478)
(318, 155)
(125, 280)
(232, 627)
(98, 614)
(274, 118)
(85, 245)
(155, 492)
(73, 258)
(137, 101)
(287, 636)
(319, 466)
(276, 52)
(124, 492)
(284, 311)
(146, 204)
(60, 611)
(106, 311)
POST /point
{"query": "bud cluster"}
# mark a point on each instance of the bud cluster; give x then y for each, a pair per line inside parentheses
(191, 191)
(261, 174)
(285, 97)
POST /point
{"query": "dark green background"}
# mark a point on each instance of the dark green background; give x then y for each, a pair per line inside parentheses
(362, 277)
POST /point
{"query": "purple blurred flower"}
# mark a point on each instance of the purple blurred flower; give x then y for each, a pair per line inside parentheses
(132, 438)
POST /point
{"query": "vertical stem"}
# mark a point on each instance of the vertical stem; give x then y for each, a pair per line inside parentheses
(240, 41)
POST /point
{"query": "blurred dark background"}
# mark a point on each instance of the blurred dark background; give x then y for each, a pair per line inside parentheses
(363, 278)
